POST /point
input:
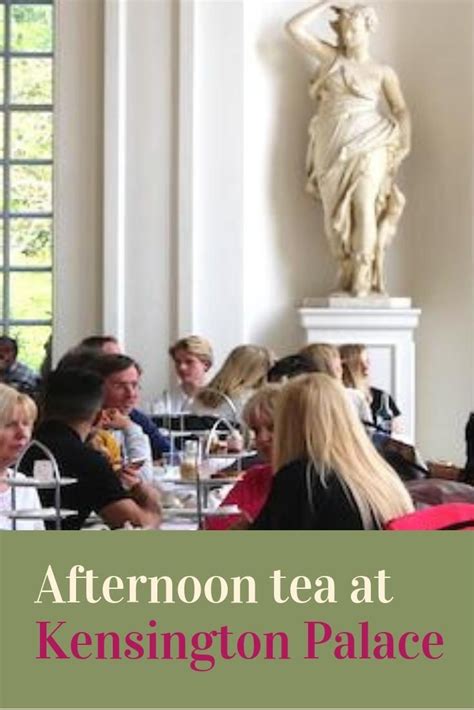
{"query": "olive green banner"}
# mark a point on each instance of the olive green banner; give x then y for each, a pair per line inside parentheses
(237, 619)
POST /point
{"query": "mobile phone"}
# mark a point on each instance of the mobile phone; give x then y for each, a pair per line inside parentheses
(135, 463)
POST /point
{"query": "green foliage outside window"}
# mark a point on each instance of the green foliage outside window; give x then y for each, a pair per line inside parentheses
(29, 184)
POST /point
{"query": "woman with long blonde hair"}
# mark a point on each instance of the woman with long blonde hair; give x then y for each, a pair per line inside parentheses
(244, 371)
(383, 410)
(329, 475)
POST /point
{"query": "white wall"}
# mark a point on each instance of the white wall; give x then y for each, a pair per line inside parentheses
(437, 60)
(149, 215)
(217, 297)
(220, 237)
(78, 172)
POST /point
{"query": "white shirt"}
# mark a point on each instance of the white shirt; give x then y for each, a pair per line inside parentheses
(174, 401)
(25, 499)
(135, 444)
(360, 404)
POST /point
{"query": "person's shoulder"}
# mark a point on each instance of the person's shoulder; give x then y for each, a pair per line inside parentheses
(258, 472)
(295, 470)
(354, 394)
(64, 441)
(21, 368)
(52, 428)
(142, 419)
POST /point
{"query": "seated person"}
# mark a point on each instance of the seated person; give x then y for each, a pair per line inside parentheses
(192, 358)
(17, 416)
(385, 414)
(329, 476)
(72, 401)
(244, 370)
(15, 373)
(326, 358)
(121, 377)
(105, 344)
(251, 491)
(437, 491)
(290, 366)
(468, 473)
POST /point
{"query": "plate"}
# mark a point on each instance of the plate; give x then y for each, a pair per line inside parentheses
(226, 455)
(27, 482)
(203, 482)
(39, 514)
(205, 512)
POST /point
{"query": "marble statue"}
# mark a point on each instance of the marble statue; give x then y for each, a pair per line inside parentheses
(355, 146)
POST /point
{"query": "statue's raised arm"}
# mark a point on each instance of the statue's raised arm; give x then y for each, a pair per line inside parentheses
(354, 149)
(298, 30)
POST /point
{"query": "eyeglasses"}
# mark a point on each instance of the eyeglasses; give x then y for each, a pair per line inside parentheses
(123, 386)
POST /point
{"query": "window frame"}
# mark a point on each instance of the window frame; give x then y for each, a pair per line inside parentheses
(8, 109)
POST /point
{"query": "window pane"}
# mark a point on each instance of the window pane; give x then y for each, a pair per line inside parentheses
(31, 343)
(2, 27)
(2, 98)
(1, 244)
(31, 188)
(31, 135)
(1, 189)
(2, 121)
(30, 242)
(31, 81)
(1, 294)
(31, 28)
(30, 296)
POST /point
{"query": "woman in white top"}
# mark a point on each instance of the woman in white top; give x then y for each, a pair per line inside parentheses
(17, 416)
(192, 358)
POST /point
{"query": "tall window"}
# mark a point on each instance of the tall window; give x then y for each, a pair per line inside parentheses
(26, 165)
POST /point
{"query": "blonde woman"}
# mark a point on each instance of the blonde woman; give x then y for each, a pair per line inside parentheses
(17, 416)
(252, 490)
(193, 358)
(326, 358)
(384, 412)
(329, 476)
(244, 371)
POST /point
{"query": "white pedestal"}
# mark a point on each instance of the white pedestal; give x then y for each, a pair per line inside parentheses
(386, 326)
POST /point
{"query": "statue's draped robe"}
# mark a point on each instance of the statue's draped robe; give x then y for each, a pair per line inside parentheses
(346, 136)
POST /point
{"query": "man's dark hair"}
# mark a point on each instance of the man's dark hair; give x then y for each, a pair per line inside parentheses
(290, 366)
(97, 342)
(100, 363)
(11, 342)
(106, 365)
(79, 359)
(72, 395)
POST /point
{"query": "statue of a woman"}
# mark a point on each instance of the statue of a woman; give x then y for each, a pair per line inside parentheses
(354, 148)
